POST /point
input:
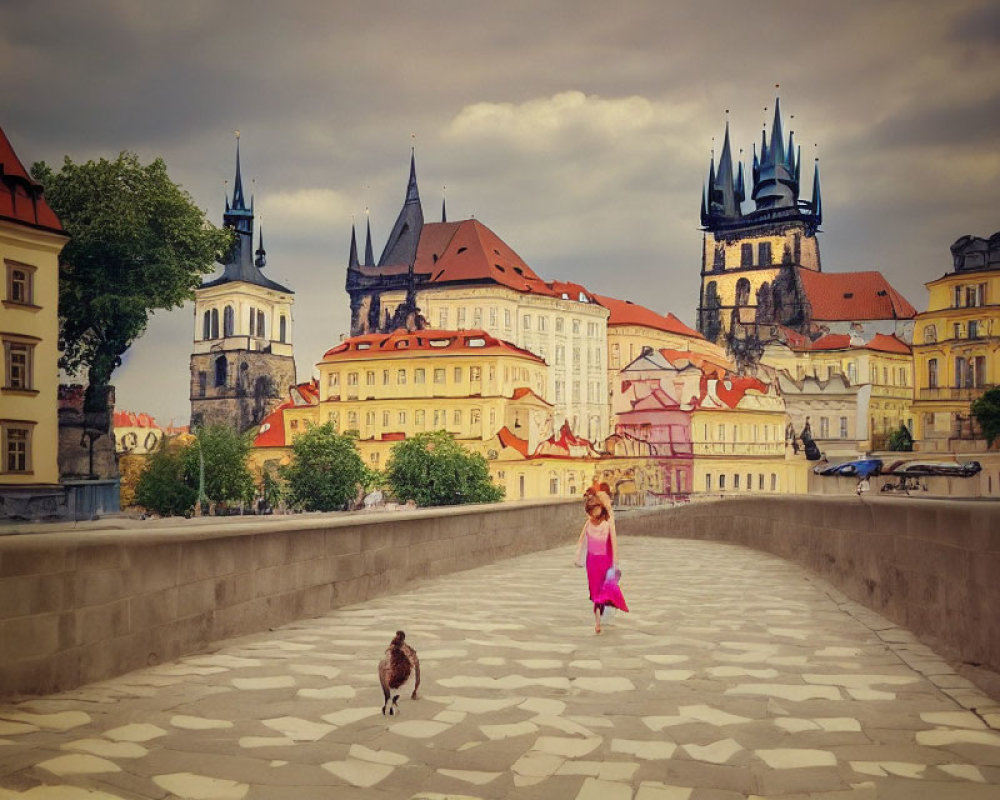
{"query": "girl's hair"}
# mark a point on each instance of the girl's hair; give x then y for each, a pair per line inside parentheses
(590, 499)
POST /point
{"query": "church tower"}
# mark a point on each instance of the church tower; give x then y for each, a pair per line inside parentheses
(242, 362)
(751, 259)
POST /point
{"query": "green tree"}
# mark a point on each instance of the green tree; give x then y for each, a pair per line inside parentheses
(162, 487)
(325, 471)
(138, 244)
(434, 470)
(986, 410)
(227, 476)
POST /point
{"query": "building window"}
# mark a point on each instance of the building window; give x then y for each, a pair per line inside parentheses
(19, 357)
(979, 371)
(282, 328)
(930, 334)
(526, 322)
(352, 379)
(760, 481)
(458, 375)
(746, 255)
(559, 324)
(16, 437)
(352, 420)
(215, 323)
(475, 374)
(460, 318)
(456, 417)
(843, 427)
(576, 391)
(981, 294)
(20, 284)
(736, 481)
(560, 354)
(401, 419)
(970, 295)
(973, 329)
(774, 482)
(506, 318)
(418, 417)
(401, 377)
(961, 373)
(542, 323)
(443, 319)
(419, 375)
(221, 371)
(261, 330)
(385, 377)
(958, 297)
(932, 373)
(475, 416)
(206, 326)
(493, 316)
(228, 321)
(385, 420)
(824, 428)
(439, 375)
(722, 482)
(477, 317)
(370, 378)
(576, 327)
(708, 482)
(553, 483)
(334, 380)
(253, 321)
(202, 383)
(764, 254)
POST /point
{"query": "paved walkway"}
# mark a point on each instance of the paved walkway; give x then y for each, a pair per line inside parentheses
(736, 675)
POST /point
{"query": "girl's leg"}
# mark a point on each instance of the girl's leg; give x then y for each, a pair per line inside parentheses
(598, 609)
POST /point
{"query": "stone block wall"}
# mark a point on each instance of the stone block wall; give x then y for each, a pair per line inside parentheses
(931, 566)
(82, 606)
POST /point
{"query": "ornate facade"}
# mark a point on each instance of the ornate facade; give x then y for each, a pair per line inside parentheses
(242, 363)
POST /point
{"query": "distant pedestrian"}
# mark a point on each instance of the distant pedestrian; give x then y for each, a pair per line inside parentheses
(597, 549)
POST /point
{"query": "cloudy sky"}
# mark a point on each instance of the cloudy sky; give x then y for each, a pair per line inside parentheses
(580, 132)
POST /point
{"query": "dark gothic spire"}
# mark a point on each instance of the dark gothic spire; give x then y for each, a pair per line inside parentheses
(238, 203)
(261, 261)
(722, 198)
(353, 260)
(817, 200)
(401, 247)
(444, 211)
(775, 185)
(369, 255)
(238, 216)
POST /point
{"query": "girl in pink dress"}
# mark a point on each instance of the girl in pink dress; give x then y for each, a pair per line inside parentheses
(599, 542)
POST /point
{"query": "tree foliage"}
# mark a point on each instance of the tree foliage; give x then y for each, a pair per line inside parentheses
(900, 439)
(325, 471)
(986, 410)
(227, 477)
(433, 469)
(138, 244)
(162, 487)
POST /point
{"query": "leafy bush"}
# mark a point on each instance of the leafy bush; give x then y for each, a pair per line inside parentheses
(901, 440)
(162, 488)
(433, 469)
(326, 469)
(986, 410)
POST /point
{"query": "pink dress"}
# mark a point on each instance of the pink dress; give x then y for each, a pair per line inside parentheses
(599, 560)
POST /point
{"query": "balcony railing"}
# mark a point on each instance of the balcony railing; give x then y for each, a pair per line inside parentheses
(964, 393)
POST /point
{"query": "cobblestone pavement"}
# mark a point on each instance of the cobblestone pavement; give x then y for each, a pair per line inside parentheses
(737, 675)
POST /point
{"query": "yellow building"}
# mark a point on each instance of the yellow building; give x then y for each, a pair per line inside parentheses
(956, 346)
(31, 238)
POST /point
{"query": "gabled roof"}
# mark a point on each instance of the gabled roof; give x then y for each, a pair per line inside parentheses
(655, 400)
(523, 391)
(888, 344)
(853, 296)
(710, 365)
(625, 312)
(428, 342)
(21, 198)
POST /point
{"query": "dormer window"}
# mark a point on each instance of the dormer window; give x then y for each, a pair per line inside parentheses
(582, 297)
(848, 295)
(477, 341)
(402, 344)
(364, 346)
(439, 342)
(461, 250)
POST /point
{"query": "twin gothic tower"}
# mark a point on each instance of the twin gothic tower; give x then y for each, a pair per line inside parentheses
(751, 259)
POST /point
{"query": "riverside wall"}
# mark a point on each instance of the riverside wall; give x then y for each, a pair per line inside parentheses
(930, 565)
(86, 604)
(90, 603)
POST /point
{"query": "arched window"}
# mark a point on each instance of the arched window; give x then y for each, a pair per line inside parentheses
(260, 324)
(253, 321)
(206, 325)
(742, 292)
(228, 321)
(283, 328)
(215, 323)
(221, 371)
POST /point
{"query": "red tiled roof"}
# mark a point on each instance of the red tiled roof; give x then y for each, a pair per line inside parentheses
(373, 345)
(731, 390)
(625, 312)
(832, 341)
(524, 391)
(21, 197)
(272, 430)
(508, 439)
(850, 296)
(888, 344)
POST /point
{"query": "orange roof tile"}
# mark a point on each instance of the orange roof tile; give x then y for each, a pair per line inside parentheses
(625, 312)
(524, 391)
(21, 197)
(428, 342)
(508, 439)
(272, 430)
(710, 365)
(888, 344)
(850, 296)
(832, 341)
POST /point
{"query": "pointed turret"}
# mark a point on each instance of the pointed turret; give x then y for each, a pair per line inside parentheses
(261, 261)
(817, 199)
(722, 197)
(369, 254)
(353, 259)
(401, 247)
(238, 216)
(777, 135)
(774, 184)
(741, 189)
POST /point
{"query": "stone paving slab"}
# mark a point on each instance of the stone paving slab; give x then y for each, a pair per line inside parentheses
(736, 676)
